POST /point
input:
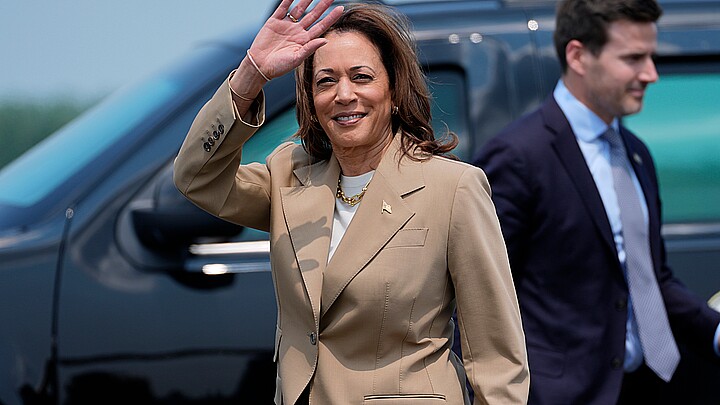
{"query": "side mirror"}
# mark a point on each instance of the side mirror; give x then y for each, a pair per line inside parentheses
(173, 221)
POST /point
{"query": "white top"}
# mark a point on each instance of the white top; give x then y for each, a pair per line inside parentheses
(351, 185)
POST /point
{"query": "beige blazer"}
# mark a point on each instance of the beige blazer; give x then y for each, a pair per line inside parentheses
(372, 326)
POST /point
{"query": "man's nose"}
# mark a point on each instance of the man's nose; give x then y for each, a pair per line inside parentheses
(649, 72)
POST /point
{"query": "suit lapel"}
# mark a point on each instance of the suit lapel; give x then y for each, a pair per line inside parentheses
(373, 226)
(308, 210)
(568, 151)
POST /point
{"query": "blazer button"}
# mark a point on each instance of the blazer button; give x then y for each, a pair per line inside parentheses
(216, 135)
(207, 147)
(221, 129)
(616, 363)
(313, 338)
(621, 304)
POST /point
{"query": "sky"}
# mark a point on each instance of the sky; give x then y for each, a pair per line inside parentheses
(85, 49)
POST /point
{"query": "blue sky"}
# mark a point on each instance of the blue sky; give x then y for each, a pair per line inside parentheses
(88, 48)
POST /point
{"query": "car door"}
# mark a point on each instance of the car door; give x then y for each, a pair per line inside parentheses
(158, 301)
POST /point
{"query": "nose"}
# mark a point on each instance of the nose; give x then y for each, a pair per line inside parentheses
(345, 91)
(649, 73)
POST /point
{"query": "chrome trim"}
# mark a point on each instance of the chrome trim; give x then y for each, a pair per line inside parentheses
(690, 229)
(233, 248)
(214, 269)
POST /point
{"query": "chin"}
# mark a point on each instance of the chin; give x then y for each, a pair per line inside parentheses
(632, 108)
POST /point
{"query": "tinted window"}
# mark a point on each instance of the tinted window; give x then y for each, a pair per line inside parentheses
(448, 108)
(275, 131)
(680, 122)
(38, 172)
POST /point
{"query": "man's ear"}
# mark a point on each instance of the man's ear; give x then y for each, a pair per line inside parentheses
(576, 55)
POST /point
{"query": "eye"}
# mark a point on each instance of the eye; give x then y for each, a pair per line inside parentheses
(636, 58)
(324, 80)
(362, 77)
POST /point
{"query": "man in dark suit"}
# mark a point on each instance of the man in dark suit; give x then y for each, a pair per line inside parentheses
(577, 197)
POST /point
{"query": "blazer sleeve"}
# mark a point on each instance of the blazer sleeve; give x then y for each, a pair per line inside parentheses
(207, 169)
(492, 339)
(512, 195)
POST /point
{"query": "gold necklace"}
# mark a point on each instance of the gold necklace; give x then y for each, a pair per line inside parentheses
(351, 201)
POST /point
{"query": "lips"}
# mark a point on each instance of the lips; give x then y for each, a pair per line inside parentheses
(638, 93)
(347, 118)
(638, 90)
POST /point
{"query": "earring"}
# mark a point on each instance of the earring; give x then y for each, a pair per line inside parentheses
(395, 110)
(313, 118)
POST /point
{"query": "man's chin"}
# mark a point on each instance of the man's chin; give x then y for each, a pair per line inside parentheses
(632, 108)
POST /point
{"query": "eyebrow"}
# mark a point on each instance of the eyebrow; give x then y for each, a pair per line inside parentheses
(354, 68)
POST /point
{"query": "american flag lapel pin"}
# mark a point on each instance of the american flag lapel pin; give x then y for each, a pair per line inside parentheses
(386, 208)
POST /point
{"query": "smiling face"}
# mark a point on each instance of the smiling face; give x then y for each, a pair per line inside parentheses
(351, 95)
(615, 80)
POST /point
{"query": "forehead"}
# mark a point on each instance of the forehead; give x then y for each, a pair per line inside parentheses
(631, 36)
(346, 48)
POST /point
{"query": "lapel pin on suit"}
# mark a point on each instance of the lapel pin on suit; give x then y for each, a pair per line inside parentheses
(386, 208)
(637, 158)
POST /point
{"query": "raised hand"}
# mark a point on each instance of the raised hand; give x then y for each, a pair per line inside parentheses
(290, 36)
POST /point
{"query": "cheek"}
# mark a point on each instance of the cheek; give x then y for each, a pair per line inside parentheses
(320, 103)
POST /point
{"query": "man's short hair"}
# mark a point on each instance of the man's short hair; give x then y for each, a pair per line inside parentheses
(587, 21)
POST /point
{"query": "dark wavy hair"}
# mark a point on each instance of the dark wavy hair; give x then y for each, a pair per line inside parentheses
(587, 21)
(389, 32)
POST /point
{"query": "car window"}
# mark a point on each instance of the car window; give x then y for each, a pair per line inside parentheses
(680, 123)
(275, 131)
(38, 172)
(447, 87)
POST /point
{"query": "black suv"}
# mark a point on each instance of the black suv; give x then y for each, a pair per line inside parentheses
(115, 289)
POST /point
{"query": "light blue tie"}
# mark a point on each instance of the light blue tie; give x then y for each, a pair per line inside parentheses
(659, 347)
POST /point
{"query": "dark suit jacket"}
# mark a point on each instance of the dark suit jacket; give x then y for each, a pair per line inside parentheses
(570, 285)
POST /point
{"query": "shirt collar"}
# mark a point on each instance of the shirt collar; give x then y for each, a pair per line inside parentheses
(586, 125)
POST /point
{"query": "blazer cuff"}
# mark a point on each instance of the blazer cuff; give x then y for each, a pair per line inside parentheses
(255, 116)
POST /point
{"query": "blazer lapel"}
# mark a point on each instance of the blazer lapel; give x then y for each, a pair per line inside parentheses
(308, 211)
(568, 151)
(380, 215)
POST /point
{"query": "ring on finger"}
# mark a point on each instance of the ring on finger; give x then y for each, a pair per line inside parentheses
(293, 19)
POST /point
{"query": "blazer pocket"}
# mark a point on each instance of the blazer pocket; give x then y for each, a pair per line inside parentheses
(404, 399)
(546, 362)
(408, 238)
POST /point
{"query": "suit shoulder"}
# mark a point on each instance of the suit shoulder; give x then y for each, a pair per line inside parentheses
(449, 169)
(529, 123)
(452, 165)
(528, 136)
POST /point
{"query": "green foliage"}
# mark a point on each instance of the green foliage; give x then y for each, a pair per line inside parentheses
(24, 124)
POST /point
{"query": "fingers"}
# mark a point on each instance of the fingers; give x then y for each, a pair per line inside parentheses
(326, 22)
(310, 48)
(282, 9)
(315, 13)
(295, 14)
(300, 8)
